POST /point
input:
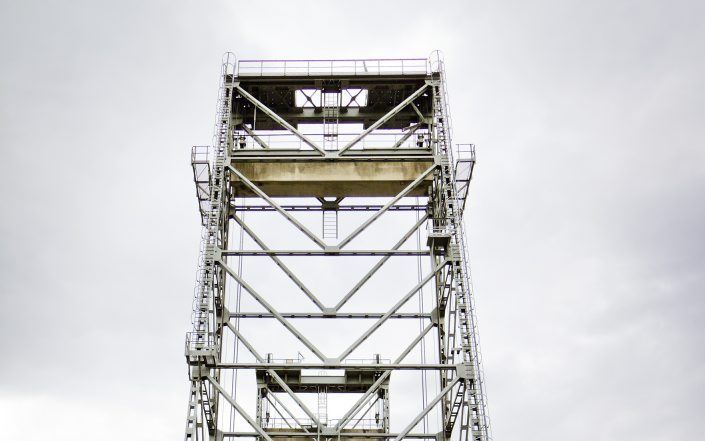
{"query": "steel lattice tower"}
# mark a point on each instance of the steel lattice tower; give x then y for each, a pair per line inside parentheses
(345, 144)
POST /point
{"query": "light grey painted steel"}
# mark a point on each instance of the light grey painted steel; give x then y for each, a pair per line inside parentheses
(379, 264)
(407, 135)
(386, 206)
(278, 261)
(427, 409)
(273, 373)
(254, 136)
(276, 206)
(384, 119)
(239, 409)
(278, 119)
(342, 435)
(329, 251)
(357, 367)
(449, 321)
(273, 311)
(389, 313)
(356, 407)
(304, 207)
(332, 315)
(290, 413)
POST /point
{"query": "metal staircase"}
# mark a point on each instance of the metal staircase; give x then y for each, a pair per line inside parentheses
(201, 178)
(469, 392)
(202, 348)
(207, 407)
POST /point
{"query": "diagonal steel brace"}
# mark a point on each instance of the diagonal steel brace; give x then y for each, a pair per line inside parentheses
(273, 311)
(270, 113)
(280, 264)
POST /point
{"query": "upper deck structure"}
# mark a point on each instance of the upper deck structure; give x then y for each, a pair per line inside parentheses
(331, 149)
(332, 128)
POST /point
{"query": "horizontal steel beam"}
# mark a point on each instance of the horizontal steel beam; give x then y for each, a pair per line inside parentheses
(326, 252)
(382, 378)
(272, 310)
(280, 264)
(320, 208)
(352, 155)
(276, 206)
(368, 434)
(351, 366)
(376, 325)
(331, 315)
(379, 264)
(272, 372)
(386, 206)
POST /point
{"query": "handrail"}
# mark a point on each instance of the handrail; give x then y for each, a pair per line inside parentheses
(372, 66)
(371, 141)
(200, 154)
(465, 152)
(293, 424)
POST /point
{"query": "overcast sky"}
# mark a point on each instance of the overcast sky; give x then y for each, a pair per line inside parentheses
(586, 220)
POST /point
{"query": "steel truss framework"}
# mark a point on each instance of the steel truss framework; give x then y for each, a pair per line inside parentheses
(227, 191)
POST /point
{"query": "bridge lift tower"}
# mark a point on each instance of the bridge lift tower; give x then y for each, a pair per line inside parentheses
(333, 299)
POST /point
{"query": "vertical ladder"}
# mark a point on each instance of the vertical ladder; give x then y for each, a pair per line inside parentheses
(331, 112)
(330, 224)
(323, 405)
(330, 217)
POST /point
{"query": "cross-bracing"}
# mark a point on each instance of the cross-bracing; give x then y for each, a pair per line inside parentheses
(282, 349)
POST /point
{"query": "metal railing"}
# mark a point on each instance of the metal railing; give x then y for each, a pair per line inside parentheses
(465, 152)
(290, 423)
(380, 66)
(199, 343)
(201, 178)
(289, 141)
(376, 360)
(270, 359)
(199, 153)
(439, 229)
